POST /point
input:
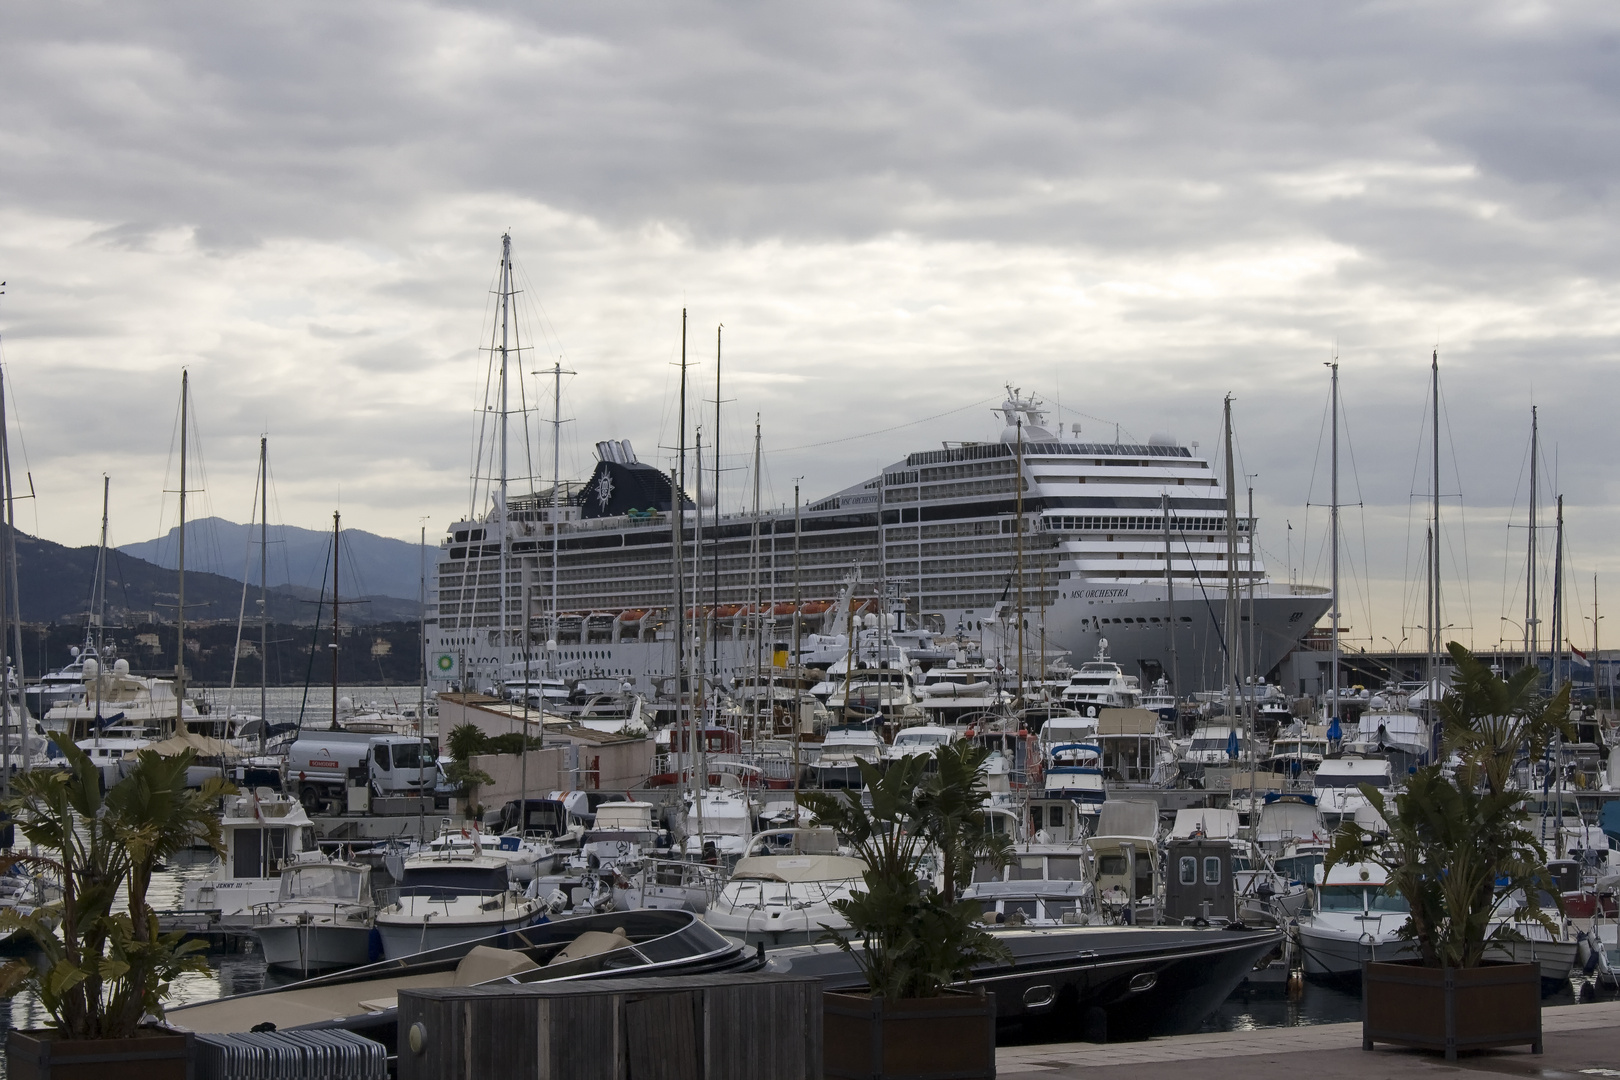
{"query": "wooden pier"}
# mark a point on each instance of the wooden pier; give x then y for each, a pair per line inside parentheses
(1579, 1040)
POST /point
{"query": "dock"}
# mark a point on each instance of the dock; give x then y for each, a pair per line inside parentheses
(1581, 1040)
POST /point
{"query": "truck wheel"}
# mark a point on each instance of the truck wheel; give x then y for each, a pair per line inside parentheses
(311, 798)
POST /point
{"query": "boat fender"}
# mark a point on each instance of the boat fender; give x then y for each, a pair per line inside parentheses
(259, 1029)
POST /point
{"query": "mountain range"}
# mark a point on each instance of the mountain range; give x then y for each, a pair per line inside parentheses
(370, 565)
(54, 583)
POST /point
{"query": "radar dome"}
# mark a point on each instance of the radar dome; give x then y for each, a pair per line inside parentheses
(869, 621)
(91, 668)
(345, 703)
(120, 667)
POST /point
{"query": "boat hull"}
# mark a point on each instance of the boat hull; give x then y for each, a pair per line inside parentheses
(1328, 955)
(404, 936)
(305, 946)
(1115, 982)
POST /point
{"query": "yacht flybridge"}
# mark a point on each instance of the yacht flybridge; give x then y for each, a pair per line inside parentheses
(575, 579)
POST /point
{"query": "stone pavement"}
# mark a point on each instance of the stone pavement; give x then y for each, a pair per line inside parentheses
(1580, 1041)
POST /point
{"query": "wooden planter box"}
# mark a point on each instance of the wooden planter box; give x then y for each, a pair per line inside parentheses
(1451, 1009)
(952, 1037)
(151, 1055)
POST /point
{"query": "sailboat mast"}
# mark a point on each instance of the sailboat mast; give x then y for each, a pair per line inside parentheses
(677, 541)
(1433, 693)
(678, 521)
(1555, 644)
(1170, 599)
(10, 606)
(180, 600)
(714, 574)
(1232, 668)
(100, 599)
(556, 514)
(1019, 560)
(1333, 545)
(1532, 642)
(504, 421)
(759, 616)
(336, 536)
(264, 585)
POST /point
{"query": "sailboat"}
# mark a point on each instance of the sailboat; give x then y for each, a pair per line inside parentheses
(121, 711)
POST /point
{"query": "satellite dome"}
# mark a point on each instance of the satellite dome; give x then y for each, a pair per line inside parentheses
(91, 668)
(120, 667)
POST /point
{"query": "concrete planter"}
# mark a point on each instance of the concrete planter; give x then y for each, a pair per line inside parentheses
(952, 1037)
(1451, 1009)
(151, 1055)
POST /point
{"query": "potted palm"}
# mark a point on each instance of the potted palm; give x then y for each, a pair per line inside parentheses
(1458, 848)
(913, 941)
(108, 969)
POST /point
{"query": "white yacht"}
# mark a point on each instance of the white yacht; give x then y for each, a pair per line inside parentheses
(595, 553)
(321, 920)
(1337, 785)
(264, 834)
(450, 898)
(526, 857)
(1354, 919)
(1073, 771)
(1125, 874)
(949, 692)
(64, 684)
(1101, 684)
(920, 740)
(781, 891)
(117, 697)
(1214, 744)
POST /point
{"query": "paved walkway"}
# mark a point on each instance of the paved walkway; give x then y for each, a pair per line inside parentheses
(1580, 1041)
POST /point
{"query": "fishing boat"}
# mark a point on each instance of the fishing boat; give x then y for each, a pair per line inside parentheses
(321, 920)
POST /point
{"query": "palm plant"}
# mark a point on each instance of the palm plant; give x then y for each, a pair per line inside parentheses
(1458, 845)
(110, 966)
(915, 940)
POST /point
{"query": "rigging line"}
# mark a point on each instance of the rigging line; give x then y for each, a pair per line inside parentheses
(314, 641)
(241, 610)
(1355, 472)
(16, 418)
(885, 431)
(1220, 635)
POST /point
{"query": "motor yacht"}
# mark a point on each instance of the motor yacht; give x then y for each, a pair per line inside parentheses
(264, 833)
(1354, 918)
(1101, 684)
(781, 892)
(1338, 781)
(447, 899)
(321, 920)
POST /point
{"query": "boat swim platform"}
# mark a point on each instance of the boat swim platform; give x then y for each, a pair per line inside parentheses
(1579, 1040)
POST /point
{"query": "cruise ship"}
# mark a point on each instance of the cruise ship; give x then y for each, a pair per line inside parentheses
(1023, 530)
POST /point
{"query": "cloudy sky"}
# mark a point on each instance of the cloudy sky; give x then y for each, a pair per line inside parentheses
(1132, 209)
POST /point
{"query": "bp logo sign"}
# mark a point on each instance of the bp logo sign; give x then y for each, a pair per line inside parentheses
(445, 662)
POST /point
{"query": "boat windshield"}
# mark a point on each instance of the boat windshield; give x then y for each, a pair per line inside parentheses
(321, 883)
(1358, 897)
(920, 739)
